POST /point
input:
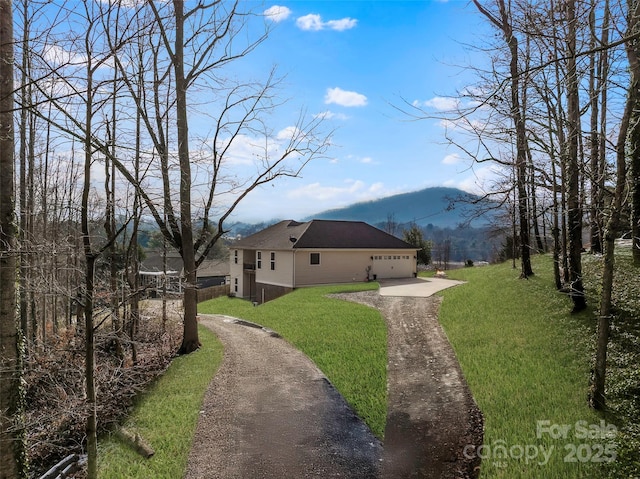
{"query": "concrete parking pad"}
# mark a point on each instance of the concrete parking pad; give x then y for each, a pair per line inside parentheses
(415, 287)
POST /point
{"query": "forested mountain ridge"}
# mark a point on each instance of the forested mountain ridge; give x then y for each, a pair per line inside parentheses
(439, 206)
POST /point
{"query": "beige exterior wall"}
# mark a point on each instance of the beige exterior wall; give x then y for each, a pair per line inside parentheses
(282, 275)
(294, 269)
(236, 272)
(345, 266)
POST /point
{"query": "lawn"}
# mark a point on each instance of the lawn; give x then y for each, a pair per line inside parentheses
(165, 417)
(526, 359)
(527, 362)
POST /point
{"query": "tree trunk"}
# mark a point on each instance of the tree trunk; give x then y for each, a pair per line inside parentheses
(598, 399)
(633, 54)
(12, 445)
(90, 259)
(24, 214)
(504, 25)
(91, 428)
(190, 340)
(574, 209)
(594, 142)
(555, 229)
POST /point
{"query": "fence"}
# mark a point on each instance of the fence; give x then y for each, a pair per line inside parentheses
(211, 292)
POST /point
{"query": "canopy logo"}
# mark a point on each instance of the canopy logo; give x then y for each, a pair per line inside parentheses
(585, 442)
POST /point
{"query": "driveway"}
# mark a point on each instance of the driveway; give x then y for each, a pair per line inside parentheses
(431, 414)
(270, 413)
(415, 287)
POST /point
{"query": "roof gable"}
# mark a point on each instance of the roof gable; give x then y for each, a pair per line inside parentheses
(280, 236)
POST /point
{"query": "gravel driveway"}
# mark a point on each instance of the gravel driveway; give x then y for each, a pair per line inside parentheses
(270, 413)
(431, 415)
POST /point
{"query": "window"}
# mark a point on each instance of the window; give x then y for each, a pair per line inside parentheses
(235, 286)
(273, 261)
(259, 261)
(314, 258)
(235, 256)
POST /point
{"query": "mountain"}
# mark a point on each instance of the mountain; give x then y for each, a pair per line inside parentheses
(438, 206)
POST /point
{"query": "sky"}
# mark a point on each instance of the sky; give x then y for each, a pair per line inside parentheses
(359, 63)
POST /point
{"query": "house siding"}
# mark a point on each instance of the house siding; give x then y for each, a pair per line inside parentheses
(281, 275)
(348, 266)
(236, 273)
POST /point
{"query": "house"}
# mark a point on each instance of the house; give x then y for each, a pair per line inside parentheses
(291, 255)
(157, 271)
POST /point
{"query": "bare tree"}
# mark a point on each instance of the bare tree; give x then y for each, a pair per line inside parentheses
(12, 447)
(188, 48)
(574, 207)
(628, 141)
(598, 72)
(502, 22)
(79, 96)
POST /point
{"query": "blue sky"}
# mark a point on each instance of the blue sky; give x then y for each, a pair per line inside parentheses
(354, 61)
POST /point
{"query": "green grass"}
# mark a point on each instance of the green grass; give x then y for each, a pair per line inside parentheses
(347, 341)
(623, 356)
(165, 417)
(526, 359)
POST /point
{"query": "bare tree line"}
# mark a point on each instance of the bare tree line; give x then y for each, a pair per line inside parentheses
(127, 109)
(554, 115)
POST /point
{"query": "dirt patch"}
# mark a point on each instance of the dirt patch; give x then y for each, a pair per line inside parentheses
(431, 415)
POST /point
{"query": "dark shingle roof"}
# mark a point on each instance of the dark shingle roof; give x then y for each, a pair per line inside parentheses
(322, 234)
(155, 263)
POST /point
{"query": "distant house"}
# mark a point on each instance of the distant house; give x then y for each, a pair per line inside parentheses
(158, 272)
(290, 255)
(153, 275)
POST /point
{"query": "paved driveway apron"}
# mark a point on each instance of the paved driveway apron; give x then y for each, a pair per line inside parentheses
(415, 287)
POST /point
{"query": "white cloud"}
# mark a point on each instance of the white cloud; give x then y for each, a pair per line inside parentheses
(344, 98)
(478, 182)
(56, 55)
(366, 160)
(349, 192)
(243, 149)
(313, 22)
(277, 13)
(342, 24)
(440, 103)
(310, 22)
(330, 115)
(452, 159)
(288, 133)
